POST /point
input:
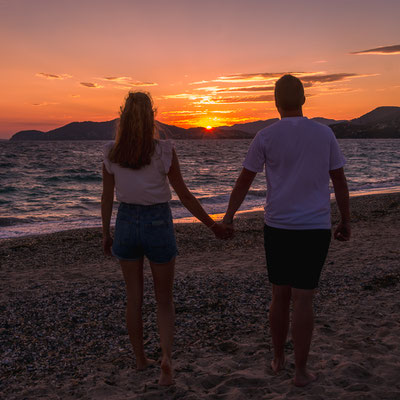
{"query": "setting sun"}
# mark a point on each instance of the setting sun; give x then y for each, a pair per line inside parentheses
(209, 127)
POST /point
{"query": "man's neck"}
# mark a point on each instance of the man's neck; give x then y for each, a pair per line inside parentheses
(291, 113)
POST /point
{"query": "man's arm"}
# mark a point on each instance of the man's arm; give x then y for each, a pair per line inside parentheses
(343, 230)
(239, 193)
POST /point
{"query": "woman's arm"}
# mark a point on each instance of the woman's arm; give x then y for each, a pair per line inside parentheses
(107, 200)
(189, 201)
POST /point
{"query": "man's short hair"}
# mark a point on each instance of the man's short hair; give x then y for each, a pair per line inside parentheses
(289, 93)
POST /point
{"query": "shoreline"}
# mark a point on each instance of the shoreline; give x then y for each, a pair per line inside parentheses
(63, 335)
(379, 198)
(217, 216)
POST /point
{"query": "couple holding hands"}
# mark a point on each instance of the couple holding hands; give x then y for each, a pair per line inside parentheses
(299, 156)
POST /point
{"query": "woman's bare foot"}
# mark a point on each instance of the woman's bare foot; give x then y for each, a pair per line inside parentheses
(166, 373)
(143, 364)
(302, 379)
(277, 364)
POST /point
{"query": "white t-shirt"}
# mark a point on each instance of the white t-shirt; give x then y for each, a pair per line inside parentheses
(147, 185)
(298, 154)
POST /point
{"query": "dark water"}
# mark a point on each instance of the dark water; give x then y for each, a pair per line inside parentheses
(50, 186)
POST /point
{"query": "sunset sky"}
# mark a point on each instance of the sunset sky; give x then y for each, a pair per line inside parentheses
(206, 63)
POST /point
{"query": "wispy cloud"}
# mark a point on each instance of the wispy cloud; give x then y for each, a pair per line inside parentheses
(308, 79)
(219, 89)
(251, 89)
(336, 90)
(324, 78)
(224, 94)
(384, 50)
(126, 82)
(53, 76)
(44, 103)
(184, 112)
(244, 99)
(189, 96)
(243, 77)
(197, 112)
(91, 85)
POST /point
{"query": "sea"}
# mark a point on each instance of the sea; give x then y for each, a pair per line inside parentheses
(56, 185)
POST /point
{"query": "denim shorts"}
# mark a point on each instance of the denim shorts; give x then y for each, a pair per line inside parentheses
(144, 231)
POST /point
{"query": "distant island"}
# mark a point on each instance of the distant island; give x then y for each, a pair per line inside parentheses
(381, 123)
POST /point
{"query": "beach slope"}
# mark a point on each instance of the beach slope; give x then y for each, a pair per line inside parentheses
(62, 330)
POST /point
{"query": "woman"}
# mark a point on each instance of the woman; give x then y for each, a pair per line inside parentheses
(137, 166)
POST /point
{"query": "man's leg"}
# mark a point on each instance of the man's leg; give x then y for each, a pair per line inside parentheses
(279, 323)
(302, 329)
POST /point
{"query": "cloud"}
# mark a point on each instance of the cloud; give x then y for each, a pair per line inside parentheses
(91, 85)
(53, 76)
(323, 78)
(226, 95)
(308, 79)
(184, 112)
(244, 77)
(117, 78)
(336, 90)
(244, 99)
(385, 50)
(181, 96)
(127, 81)
(250, 89)
(248, 77)
(197, 112)
(44, 103)
(220, 89)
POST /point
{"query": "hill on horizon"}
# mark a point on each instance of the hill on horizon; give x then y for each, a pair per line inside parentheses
(382, 122)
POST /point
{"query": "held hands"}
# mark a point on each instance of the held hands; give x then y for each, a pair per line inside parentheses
(107, 243)
(222, 230)
(343, 232)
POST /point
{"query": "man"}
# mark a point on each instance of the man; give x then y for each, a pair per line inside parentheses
(299, 156)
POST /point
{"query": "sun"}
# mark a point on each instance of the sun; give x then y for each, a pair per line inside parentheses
(208, 127)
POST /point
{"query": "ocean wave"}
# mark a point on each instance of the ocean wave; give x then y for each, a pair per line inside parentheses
(6, 165)
(257, 193)
(9, 221)
(7, 189)
(72, 178)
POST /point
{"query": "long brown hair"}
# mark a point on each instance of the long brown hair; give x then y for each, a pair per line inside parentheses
(134, 141)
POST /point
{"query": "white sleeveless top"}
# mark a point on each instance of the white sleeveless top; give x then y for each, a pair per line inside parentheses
(147, 185)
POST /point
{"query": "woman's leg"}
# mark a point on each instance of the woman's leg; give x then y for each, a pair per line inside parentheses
(163, 276)
(133, 275)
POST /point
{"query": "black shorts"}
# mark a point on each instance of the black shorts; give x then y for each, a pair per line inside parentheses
(296, 257)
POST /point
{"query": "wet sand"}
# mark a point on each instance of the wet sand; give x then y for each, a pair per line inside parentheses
(63, 336)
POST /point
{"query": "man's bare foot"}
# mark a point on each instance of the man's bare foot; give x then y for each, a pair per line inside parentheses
(143, 364)
(277, 364)
(166, 373)
(302, 379)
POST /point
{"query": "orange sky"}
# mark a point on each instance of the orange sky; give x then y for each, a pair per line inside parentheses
(206, 63)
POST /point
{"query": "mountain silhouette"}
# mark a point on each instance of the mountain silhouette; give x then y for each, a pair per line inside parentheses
(382, 122)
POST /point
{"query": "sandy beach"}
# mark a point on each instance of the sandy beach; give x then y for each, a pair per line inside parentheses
(63, 335)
